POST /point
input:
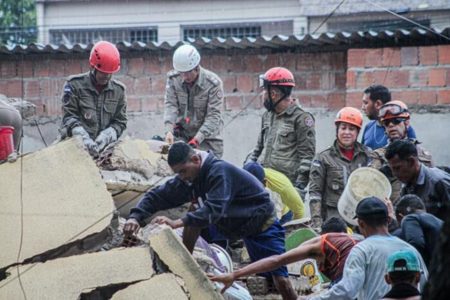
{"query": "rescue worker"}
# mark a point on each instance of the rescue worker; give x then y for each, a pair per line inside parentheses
(332, 167)
(277, 182)
(395, 118)
(373, 135)
(94, 105)
(432, 185)
(287, 141)
(193, 103)
(226, 196)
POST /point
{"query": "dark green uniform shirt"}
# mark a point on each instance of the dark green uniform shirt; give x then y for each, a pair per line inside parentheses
(287, 143)
(84, 106)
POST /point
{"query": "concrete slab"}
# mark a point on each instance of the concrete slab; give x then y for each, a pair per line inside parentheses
(64, 199)
(180, 262)
(67, 278)
(164, 286)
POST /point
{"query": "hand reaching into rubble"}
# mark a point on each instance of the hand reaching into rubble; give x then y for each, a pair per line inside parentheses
(165, 220)
(226, 279)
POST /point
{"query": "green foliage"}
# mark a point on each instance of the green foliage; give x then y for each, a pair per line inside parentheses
(17, 21)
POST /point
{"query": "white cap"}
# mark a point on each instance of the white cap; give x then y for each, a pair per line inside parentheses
(185, 58)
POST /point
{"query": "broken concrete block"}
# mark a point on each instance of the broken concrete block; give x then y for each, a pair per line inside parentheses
(69, 277)
(59, 195)
(164, 286)
(180, 262)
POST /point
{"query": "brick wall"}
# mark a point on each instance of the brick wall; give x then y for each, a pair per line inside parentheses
(419, 76)
(331, 80)
(320, 77)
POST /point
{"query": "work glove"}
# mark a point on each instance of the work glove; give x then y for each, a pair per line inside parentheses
(105, 138)
(89, 144)
(194, 143)
(12, 157)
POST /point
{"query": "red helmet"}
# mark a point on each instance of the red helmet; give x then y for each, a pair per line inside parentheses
(277, 76)
(392, 110)
(105, 57)
(349, 115)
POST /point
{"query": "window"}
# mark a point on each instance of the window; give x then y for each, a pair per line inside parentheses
(222, 30)
(113, 35)
(375, 25)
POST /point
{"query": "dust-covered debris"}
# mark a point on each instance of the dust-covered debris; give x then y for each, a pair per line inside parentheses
(68, 278)
(46, 204)
(164, 286)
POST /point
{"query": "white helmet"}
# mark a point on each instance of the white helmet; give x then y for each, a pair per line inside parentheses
(185, 58)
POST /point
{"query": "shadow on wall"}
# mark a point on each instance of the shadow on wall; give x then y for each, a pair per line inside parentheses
(240, 136)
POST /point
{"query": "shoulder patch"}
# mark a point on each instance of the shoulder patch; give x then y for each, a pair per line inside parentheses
(309, 121)
(67, 93)
(316, 163)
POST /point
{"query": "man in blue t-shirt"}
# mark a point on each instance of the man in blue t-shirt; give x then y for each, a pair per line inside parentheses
(374, 135)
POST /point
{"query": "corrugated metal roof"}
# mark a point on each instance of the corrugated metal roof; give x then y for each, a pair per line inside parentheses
(308, 42)
(310, 8)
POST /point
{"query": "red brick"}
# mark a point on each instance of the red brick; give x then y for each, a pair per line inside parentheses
(319, 101)
(41, 68)
(303, 100)
(338, 60)
(321, 61)
(356, 58)
(437, 77)
(8, 69)
(245, 83)
(150, 104)
(39, 106)
(50, 88)
(221, 63)
(408, 96)
(443, 97)
(3, 87)
(353, 99)
(14, 88)
(165, 63)
(444, 54)
(304, 62)
(74, 66)
(336, 101)
(391, 57)
(428, 55)
(397, 78)
(410, 56)
(229, 83)
(25, 68)
(351, 79)
(52, 106)
(32, 89)
(152, 65)
(418, 77)
(374, 58)
(133, 103)
(233, 102)
(129, 84)
(427, 97)
(327, 80)
(447, 82)
(300, 80)
(142, 85)
(364, 79)
(313, 81)
(379, 76)
(236, 64)
(158, 85)
(253, 63)
(135, 66)
(340, 80)
(270, 61)
(288, 60)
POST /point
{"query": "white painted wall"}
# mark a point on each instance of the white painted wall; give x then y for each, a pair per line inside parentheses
(168, 15)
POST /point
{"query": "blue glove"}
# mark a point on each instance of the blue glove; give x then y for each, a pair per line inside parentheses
(88, 143)
(105, 138)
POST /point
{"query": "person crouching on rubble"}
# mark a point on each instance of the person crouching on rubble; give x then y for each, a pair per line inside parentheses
(224, 195)
(94, 105)
(330, 250)
(332, 167)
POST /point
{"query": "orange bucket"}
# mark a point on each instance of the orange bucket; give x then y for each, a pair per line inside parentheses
(6, 141)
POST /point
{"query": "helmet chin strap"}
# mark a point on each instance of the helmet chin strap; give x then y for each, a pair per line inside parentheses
(278, 102)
